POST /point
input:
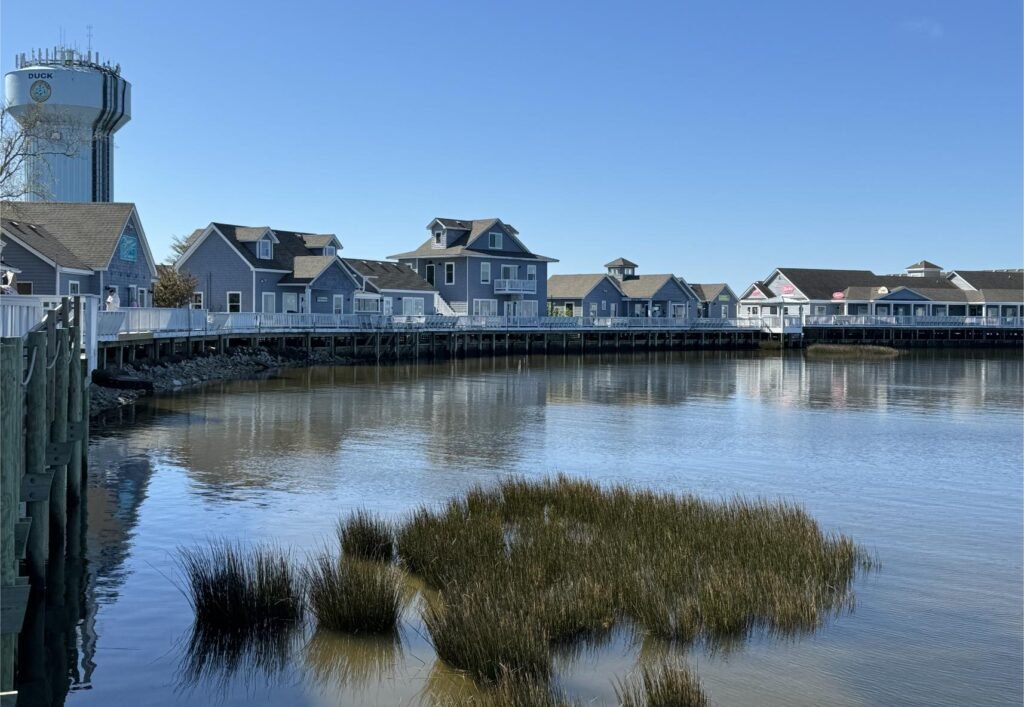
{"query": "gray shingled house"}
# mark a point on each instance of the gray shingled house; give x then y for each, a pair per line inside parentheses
(717, 301)
(621, 292)
(262, 269)
(481, 267)
(402, 290)
(78, 248)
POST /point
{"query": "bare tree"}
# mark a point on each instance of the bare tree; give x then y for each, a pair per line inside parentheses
(35, 136)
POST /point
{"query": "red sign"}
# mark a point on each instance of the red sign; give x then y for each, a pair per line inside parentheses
(838, 295)
(757, 293)
(788, 289)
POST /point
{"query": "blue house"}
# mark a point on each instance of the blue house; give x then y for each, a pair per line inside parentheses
(480, 267)
(58, 249)
(621, 292)
(263, 269)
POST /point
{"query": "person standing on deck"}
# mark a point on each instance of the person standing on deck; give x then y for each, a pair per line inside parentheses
(113, 300)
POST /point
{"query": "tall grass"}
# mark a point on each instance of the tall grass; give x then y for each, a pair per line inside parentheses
(664, 685)
(526, 565)
(851, 351)
(354, 595)
(366, 536)
(234, 588)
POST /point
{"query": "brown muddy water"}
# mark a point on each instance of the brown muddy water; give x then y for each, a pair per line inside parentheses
(918, 458)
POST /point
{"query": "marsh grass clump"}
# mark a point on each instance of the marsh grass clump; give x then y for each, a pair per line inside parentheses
(354, 595)
(237, 589)
(366, 536)
(527, 566)
(665, 685)
(851, 351)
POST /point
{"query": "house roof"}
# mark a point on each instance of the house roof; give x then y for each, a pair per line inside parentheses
(318, 240)
(386, 275)
(306, 268)
(621, 263)
(471, 230)
(575, 286)
(90, 230)
(645, 286)
(996, 279)
(289, 246)
(924, 264)
(43, 242)
(708, 292)
(819, 283)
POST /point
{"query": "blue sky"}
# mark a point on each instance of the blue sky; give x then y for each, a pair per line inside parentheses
(713, 139)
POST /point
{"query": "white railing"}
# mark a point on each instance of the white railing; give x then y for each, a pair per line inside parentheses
(903, 321)
(526, 287)
(20, 313)
(185, 322)
(441, 306)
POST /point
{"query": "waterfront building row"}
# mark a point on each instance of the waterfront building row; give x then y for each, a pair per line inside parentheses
(480, 267)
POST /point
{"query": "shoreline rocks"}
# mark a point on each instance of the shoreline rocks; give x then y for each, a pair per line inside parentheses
(113, 389)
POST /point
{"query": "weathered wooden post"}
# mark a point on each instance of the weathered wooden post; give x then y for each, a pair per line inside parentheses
(12, 604)
(75, 423)
(35, 489)
(57, 451)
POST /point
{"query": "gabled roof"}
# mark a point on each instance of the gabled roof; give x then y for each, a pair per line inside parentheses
(90, 230)
(469, 231)
(242, 234)
(384, 275)
(709, 292)
(307, 268)
(924, 265)
(820, 283)
(621, 263)
(576, 286)
(320, 240)
(38, 239)
(646, 286)
(993, 285)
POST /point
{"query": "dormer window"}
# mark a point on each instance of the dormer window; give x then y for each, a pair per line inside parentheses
(330, 250)
(265, 249)
(437, 238)
(495, 240)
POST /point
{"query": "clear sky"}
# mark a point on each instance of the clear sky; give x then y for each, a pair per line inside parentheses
(713, 139)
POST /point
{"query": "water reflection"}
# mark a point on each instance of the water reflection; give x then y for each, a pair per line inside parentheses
(919, 455)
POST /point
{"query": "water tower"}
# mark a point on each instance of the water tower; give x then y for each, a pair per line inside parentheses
(72, 104)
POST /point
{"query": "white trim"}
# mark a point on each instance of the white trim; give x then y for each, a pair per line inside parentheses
(476, 307)
(486, 264)
(446, 280)
(190, 251)
(78, 286)
(259, 249)
(227, 299)
(531, 270)
(491, 240)
(202, 300)
(74, 271)
(334, 304)
(145, 242)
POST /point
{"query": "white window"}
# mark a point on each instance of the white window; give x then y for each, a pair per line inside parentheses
(143, 301)
(234, 301)
(367, 305)
(509, 272)
(338, 304)
(485, 307)
(495, 240)
(437, 238)
(133, 296)
(485, 273)
(197, 300)
(412, 306)
(593, 309)
(819, 309)
(265, 249)
(74, 288)
(604, 305)
(330, 250)
(269, 301)
(639, 309)
(449, 273)
(526, 308)
(531, 272)
(289, 302)
(725, 311)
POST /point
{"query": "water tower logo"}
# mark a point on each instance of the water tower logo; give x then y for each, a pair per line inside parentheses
(40, 91)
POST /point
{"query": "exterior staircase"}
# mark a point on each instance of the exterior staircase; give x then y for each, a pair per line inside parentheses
(441, 306)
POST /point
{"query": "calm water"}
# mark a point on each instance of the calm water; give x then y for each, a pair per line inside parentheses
(919, 459)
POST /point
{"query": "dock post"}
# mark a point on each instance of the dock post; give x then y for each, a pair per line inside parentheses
(59, 438)
(36, 422)
(11, 420)
(75, 422)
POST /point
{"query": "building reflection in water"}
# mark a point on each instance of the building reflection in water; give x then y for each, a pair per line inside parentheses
(483, 413)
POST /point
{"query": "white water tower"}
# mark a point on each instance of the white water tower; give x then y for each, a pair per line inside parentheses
(75, 105)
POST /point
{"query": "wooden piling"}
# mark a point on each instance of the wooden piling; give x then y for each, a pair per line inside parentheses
(37, 478)
(58, 442)
(11, 426)
(75, 423)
